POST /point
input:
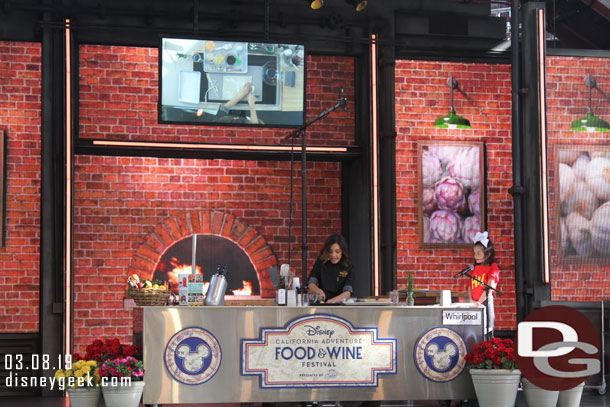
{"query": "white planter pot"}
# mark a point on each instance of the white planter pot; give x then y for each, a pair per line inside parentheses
(83, 397)
(496, 387)
(123, 396)
(537, 397)
(570, 397)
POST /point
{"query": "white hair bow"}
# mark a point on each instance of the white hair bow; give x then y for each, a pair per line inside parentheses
(482, 238)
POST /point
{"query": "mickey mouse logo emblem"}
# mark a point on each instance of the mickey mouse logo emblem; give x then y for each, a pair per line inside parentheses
(192, 356)
(441, 357)
(439, 354)
(193, 361)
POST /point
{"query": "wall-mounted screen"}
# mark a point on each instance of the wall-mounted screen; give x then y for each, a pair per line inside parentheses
(212, 82)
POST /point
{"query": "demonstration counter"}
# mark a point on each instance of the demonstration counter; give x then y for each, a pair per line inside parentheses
(230, 354)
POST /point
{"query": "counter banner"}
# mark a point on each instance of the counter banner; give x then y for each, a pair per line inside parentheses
(439, 354)
(318, 351)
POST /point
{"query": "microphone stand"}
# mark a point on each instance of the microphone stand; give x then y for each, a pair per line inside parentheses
(295, 134)
(489, 303)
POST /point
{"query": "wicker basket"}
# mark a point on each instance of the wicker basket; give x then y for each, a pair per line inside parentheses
(149, 296)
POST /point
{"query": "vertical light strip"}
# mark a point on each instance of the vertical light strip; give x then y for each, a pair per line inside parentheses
(543, 143)
(68, 226)
(374, 161)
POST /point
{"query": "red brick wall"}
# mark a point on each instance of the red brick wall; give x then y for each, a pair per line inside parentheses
(422, 95)
(567, 100)
(118, 100)
(20, 110)
(120, 200)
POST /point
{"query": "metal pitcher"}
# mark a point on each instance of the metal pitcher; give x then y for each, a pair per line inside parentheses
(216, 291)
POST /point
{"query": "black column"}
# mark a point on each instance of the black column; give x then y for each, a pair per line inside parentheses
(517, 189)
(356, 184)
(387, 165)
(535, 289)
(53, 200)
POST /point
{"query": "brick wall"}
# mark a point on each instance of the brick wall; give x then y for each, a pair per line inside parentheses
(120, 200)
(422, 95)
(118, 100)
(20, 110)
(575, 277)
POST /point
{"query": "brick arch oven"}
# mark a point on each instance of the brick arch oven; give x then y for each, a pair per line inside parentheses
(221, 239)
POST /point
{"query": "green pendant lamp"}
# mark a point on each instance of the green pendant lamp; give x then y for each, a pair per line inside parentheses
(590, 123)
(452, 120)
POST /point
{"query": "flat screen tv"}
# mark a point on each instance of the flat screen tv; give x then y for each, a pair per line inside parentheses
(212, 82)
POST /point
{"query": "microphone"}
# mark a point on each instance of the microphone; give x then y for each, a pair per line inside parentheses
(466, 270)
(342, 99)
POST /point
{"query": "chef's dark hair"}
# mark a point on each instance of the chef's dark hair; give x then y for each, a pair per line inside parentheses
(340, 240)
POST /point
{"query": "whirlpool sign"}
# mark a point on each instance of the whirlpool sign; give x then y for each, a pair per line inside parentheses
(318, 351)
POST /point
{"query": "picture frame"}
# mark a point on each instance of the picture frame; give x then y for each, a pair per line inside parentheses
(451, 189)
(582, 203)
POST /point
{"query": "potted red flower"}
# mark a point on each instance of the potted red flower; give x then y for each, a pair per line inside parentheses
(494, 372)
(121, 371)
(101, 350)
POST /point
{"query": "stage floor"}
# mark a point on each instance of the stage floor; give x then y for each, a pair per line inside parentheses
(590, 399)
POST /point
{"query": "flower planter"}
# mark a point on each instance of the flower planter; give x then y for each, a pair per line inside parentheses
(537, 397)
(570, 397)
(496, 387)
(84, 397)
(123, 396)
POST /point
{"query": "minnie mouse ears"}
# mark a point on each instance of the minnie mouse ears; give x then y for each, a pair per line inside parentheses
(482, 238)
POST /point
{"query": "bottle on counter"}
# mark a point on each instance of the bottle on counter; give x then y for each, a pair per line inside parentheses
(280, 295)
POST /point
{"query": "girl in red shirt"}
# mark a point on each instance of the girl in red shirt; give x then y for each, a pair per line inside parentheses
(488, 272)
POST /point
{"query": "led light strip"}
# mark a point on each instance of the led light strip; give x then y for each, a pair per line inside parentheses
(68, 227)
(215, 146)
(543, 146)
(374, 153)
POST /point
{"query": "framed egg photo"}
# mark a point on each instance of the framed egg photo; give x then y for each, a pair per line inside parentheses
(582, 203)
(451, 185)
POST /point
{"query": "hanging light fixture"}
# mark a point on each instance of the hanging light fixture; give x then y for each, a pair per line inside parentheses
(452, 120)
(590, 123)
(315, 4)
(359, 5)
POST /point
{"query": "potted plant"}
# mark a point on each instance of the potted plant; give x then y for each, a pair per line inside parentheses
(113, 355)
(122, 381)
(539, 397)
(494, 372)
(101, 350)
(82, 382)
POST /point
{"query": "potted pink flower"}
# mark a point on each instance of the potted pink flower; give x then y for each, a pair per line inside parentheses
(122, 381)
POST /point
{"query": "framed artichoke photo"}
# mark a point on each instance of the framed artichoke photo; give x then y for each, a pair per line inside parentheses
(451, 192)
(582, 190)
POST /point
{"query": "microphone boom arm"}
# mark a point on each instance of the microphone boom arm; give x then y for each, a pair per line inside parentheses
(484, 284)
(340, 102)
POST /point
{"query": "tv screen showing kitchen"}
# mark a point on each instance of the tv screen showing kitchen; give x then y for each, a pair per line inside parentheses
(211, 82)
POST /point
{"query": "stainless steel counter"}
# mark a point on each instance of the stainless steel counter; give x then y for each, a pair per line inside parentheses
(280, 354)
